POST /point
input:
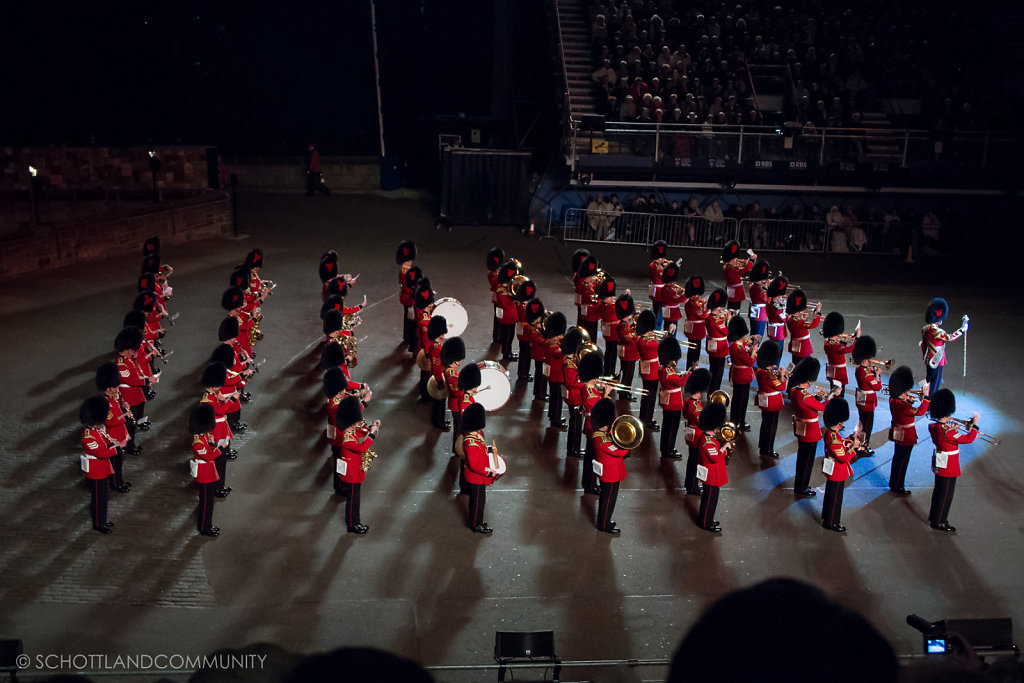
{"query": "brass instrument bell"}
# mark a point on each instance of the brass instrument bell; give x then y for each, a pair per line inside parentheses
(627, 432)
(728, 430)
(721, 397)
(584, 349)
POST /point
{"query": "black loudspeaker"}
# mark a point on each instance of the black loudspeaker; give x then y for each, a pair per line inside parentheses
(983, 634)
(595, 122)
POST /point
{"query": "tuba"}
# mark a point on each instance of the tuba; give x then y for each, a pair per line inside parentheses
(516, 284)
(584, 349)
(729, 429)
(627, 432)
(367, 462)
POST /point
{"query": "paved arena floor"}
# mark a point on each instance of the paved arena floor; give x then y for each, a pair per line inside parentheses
(419, 583)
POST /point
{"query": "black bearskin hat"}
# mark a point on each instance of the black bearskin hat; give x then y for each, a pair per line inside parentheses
(334, 381)
(836, 410)
(769, 354)
(624, 306)
(717, 299)
(145, 302)
(578, 257)
(588, 267)
(214, 375)
(659, 249)
(591, 366)
(469, 377)
(474, 418)
(901, 380)
(694, 286)
(669, 350)
(698, 381)
(730, 250)
(254, 259)
(232, 298)
(863, 348)
(606, 288)
(333, 356)
(737, 328)
(412, 275)
(331, 303)
(337, 286)
(495, 257)
(534, 310)
(406, 252)
(602, 414)
(239, 278)
(333, 321)
(645, 322)
(943, 404)
(107, 376)
(761, 270)
(151, 264)
(796, 302)
(350, 411)
(94, 411)
(151, 247)
(128, 338)
(424, 295)
(834, 324)
(670, 273)
(328, 266)
(507, 271)
(526, 291)
(555, 325)
(711, 417)
(135, 318)
(147, 282)
(453, 351)
(223, 353)
(937, 311)
(202, 419)
(805, 371)
(228, 329)
(777, 287)
(571, 341)
(436, 327)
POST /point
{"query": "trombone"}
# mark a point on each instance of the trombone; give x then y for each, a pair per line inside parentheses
(965, 426)
(661, 334)
(917, 393)
(612, 382)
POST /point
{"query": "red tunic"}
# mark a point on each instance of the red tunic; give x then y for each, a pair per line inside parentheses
(843, 457)
(734, 271)
(673, 296)
(553, 359)
(806, 408)
(536, 339)
(476, 461)
(492, 282)
(97, 448)
(693, 327)
(333, 434)
(717, 344)
(691, 413)
(354, 443)
(572, 387)
(506, 311)
(769, 390)
(947, 440)
(204, 452)
(835, 359)
(592, 308)
(655, 291)
(610, 456)
(671, 395)
(647, 347)
(451, 378)
(758, 301)
(404, 292)
(800, 335)
(868, 386)
(775, 314)
(628, 340)
(521, 334)
(933, 341)
(742, 368)
(115, 424)
(590, 396)
(132, 381)
(609, 322)
(221, 430)
(436, 369)
(712, 456)
(904, 416)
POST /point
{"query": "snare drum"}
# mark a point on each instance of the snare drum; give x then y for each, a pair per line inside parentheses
(454, 314)
(496, 385)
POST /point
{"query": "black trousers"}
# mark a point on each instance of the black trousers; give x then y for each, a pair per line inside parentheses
(477, 500)
(690, 482)
(204, 513)
(540, 382)
(351, 492)
(408, 328)
(738, 403)
(717, 368)
(139, 411)
(495, 325)
(437, 412)
(628, 370)
(554, 403)
(769, 426)
(589, 478)
(234, 419)
(898, 471)
(506, 333)
(456, 425)
(524, 359)
(424, 377)
(867, 421)
(591, 328)
(832, 506)
(314, 184)
(221, 464)
(100, 490)
(335, 456)
(693, 355)
(611, 351)
(804, 462)
(575, 435)
(606, 504)
(648, 401)
(669, 431)
(733, 305)
(117, 462)
(942, 498)
(708, 506)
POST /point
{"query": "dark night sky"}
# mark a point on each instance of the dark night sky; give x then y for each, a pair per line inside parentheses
(248, 78)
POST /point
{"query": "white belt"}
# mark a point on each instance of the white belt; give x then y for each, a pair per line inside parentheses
(675, 306)
(802, 419)
(908, 426)
(806, 336)
(657, 286)
(673, 391)
(770, 393)
(717, 339)
(220, 419)
(947, 452)
(736, 366)
(778, 325)
(867, 391)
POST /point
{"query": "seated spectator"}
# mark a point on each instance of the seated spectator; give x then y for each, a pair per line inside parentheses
(605, 77)
(627, 111)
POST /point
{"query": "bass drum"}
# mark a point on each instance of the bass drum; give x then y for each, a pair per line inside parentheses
(496, 385)
(454, 314)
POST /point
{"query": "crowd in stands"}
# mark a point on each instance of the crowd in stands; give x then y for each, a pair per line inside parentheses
(670, 61)
(791, 225)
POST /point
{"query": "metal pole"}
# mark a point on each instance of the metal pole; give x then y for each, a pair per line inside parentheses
(906, 148)
(376, 76)
(739, 152)
(821, 152)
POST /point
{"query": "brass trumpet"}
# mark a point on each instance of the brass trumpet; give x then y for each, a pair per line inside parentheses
(965, 426)
(612, 383)
(919, 393)
(661, 334)
(885, 364)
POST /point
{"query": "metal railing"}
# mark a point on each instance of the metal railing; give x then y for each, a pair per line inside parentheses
(762, 234)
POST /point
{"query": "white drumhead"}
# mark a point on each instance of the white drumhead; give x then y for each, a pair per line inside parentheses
(496, 385)
(454, 313)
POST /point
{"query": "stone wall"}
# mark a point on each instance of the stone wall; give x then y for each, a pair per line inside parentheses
(54, 246)
(355, 174)
(181, 167)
